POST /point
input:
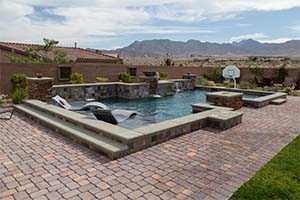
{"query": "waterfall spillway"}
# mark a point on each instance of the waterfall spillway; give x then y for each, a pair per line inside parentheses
(177, 87)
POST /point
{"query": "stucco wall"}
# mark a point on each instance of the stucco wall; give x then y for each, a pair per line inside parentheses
(91, 71)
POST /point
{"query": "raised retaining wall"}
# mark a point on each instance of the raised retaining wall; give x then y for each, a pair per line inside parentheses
(79, 92)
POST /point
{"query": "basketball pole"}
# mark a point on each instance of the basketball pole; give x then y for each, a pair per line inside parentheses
(234, 83)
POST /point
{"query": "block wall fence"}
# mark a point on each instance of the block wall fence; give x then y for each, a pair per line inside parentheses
(90, 71)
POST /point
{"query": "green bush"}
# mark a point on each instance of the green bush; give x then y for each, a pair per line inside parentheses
(76, 78)
(19, 87)
(163, 75)
(288, 90)
(19, 81)
(202, 81)
(247, 85)
(215, 75)
(124, 77)
(101, 79)
(19, 95)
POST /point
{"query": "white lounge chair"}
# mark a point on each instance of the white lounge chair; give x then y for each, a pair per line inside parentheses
(64, 104)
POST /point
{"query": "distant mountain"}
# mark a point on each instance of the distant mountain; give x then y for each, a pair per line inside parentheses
(159, 48)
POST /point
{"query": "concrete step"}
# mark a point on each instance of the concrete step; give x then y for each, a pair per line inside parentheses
(110, 147)
(278, 101)
(111, 131)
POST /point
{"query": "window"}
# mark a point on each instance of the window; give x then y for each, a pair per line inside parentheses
(64, 73)
(132, 71)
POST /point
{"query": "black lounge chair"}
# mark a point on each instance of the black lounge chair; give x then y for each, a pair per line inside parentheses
(6, 110)
(113, 116)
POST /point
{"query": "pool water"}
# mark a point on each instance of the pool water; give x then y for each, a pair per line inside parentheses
(153, 110)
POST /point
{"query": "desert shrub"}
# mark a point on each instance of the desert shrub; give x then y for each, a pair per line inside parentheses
(19, 81)
(215, 75)
(102, 79)
(281, 75)
(76, 78)
(163, 75)
(19, 95)
(202, 81)
(288, 90)
(247, 85)
(124, 77)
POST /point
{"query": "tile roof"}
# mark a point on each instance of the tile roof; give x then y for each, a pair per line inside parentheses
(74, 54)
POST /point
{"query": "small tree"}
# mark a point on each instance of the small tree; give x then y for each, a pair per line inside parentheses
(215, 75)
(281, 75)
(168, 60)
(40, 54)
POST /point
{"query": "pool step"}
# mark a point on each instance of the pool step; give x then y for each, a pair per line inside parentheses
(110, 131)
(106, 145)
(278, 101)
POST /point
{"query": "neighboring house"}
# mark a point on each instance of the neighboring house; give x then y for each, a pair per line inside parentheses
(75, 54)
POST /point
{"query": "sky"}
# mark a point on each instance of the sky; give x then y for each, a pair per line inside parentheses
(110, 24)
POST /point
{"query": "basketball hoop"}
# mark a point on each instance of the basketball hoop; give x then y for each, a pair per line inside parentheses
(232, 72)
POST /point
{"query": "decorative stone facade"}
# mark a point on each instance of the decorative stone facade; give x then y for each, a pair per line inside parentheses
(79, 92)
(226, 99)
(39, 88)
(153, 83)
(133, 91)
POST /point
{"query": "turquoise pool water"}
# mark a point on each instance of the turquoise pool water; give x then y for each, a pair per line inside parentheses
(153, 110)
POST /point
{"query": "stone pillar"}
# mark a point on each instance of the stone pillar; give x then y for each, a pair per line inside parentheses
(226, 99)
(39, 88)
(152, 78)
(153, 81)
(192, 77)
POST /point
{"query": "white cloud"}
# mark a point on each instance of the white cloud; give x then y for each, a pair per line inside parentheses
(278, 40)
(109, 18)
(254, 36)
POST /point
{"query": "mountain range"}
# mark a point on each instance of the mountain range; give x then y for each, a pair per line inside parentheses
(160, 47)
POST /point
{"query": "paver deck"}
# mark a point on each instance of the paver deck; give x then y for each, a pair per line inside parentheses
(37, 163)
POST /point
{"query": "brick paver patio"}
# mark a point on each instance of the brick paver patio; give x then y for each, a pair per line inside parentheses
(37, 163)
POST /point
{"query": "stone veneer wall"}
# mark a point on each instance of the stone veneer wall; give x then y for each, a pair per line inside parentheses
(133, 91)
(39, 88)
(79, 92)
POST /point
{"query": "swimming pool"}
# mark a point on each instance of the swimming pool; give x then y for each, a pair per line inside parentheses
(153, 110)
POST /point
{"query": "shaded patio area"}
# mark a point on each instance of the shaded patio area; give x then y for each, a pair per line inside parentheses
(37, 163)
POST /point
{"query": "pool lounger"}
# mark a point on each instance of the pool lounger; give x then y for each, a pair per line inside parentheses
(113, 116)
(64, 104)
(100, 110)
